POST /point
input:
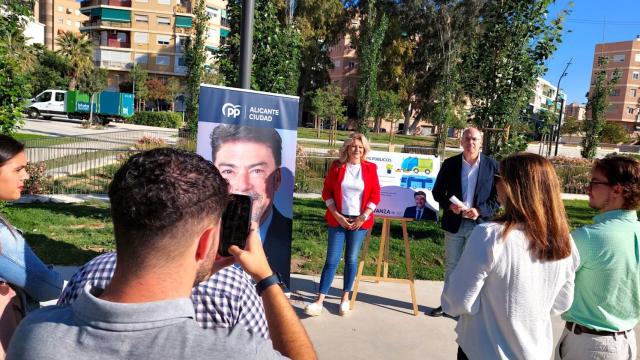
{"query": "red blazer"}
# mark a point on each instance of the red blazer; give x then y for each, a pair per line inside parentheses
(333, 190)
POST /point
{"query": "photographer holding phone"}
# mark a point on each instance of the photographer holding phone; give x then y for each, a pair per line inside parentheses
(166, 206)
(351, 192)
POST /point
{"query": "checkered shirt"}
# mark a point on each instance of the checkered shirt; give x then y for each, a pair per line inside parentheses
(228, 298)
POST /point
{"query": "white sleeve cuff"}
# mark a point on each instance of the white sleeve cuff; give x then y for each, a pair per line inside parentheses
(371, 206)
(329, 202)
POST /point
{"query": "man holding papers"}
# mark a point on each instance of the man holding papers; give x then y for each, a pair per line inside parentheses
(465, 189)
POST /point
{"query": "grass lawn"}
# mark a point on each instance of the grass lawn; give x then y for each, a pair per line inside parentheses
(398, 139)
(71, 234)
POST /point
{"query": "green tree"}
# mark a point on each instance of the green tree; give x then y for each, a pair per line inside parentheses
(613, 133)
(174, 88)
(571, 126)
(14, 80)
(321, 22)
(157, 91)
(78, 50)
(49, 72)
(93, 81)
(386, 106)
(372, 31)
(195, 58)
(139, 77)
(277, 47)
(503, 64)
(597, 105)
(328, 104)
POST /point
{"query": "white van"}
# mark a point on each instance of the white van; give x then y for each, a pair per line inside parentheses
(47, 104)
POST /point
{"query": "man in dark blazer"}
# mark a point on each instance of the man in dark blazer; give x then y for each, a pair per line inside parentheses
(420, 209)
(469, 177)
(251, 161)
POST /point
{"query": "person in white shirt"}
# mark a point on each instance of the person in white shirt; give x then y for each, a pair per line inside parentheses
(515, 271)
(351, 192)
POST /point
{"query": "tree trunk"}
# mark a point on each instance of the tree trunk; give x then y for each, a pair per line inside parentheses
(407, 118)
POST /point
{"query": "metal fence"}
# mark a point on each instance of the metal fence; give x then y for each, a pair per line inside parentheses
(86, 164)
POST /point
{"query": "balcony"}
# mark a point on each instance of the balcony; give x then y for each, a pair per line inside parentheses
(122, 3)
(224, 22)
(182, 9)
(113, 65)
(186, 31)
(106, 23)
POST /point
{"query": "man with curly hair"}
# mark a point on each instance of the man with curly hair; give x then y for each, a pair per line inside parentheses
(606, 304)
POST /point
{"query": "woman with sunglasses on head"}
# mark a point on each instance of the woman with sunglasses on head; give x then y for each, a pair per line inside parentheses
(351, 192)
(20, 269)
(516, 270)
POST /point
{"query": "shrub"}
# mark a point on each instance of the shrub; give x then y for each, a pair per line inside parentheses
(34, 185)
(166, 119)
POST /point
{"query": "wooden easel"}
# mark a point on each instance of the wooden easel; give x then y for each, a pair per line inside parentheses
(383, 260)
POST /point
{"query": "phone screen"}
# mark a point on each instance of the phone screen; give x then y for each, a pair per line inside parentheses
(236, 223)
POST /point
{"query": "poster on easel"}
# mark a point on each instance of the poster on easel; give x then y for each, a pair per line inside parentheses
(406, 182)
(251, 136)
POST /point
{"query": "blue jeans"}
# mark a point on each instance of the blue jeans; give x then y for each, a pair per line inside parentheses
(454, 245)
(337, 237)
(20, 267)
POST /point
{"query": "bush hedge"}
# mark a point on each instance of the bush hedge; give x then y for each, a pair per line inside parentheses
(166, 119)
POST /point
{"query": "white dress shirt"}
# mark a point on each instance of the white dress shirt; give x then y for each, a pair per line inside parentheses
(505, 297)
(469, 179)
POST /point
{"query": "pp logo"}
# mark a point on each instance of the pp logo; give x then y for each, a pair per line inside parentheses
(230, 110)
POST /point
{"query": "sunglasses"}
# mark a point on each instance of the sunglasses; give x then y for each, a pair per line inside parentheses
(596, 182)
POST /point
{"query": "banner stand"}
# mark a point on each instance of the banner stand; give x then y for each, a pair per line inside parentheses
(383, 260)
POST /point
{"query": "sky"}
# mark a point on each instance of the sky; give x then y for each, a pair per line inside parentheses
(590, 22)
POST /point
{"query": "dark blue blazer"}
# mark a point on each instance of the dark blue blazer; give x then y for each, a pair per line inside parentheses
(427, 213)
(448, 183)
(277, 245)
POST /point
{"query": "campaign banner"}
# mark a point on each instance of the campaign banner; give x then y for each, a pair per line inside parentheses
(251, 136)
(406, 181)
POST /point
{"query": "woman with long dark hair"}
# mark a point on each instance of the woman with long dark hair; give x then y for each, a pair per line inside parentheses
(20, 269)
(516, 270)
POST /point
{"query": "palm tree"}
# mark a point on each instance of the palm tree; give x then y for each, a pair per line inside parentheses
(78, 50)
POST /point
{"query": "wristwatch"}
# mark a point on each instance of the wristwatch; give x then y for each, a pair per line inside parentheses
(273, 279)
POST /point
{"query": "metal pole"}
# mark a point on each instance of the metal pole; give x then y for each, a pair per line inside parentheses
(559, 123)
(246, 43)
(555, 104)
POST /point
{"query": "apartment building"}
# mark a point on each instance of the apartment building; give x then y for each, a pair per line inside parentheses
(544, 96)
(575, 110)
(151, 33)
(218, 26)
(345, 64)
(58, 16)
(624, 100)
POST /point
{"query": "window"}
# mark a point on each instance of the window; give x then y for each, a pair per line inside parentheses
(164, 2)
(163, 39)
(61, 21)
(69, 22)
(638, 57)
(142, 18)
(142, 58)
(611, 109)
(636, 75)
(77, 24)
(122, 37)
(162, 60)
(181, 61)
(213, 12)
(141, 38)
(44, 97)
(164, 20)
(633, 92)
(60, 9)
(618, 58)
(615, 92)
(337, 64)
(351, 65)
(629, 110)
(59, 96)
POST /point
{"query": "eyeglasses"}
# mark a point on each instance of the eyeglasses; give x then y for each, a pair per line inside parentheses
(596, 182)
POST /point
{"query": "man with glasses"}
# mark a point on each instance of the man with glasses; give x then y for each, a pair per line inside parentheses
(606, 304)
(470, 178)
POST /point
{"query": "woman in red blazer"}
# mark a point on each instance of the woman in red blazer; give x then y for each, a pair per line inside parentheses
(351, 192)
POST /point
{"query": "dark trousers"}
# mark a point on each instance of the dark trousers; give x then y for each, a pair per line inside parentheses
(461, 354)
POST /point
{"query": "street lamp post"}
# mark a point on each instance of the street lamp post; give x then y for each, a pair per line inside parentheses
(555, 103)
(246, 43)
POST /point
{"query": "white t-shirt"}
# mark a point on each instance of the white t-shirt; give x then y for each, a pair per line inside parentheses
(352, 188)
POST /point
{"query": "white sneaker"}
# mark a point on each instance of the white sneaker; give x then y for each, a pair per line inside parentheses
(313, 309)
(345, 307)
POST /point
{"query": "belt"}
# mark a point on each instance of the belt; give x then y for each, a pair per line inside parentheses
(579, 329)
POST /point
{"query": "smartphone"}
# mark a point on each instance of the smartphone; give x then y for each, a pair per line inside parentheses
(235, 224)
